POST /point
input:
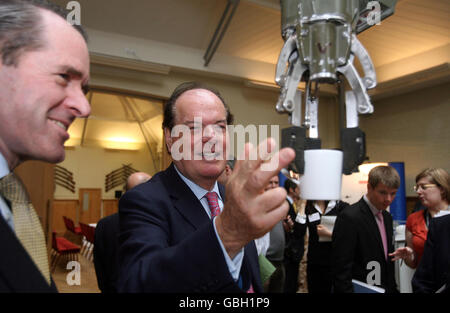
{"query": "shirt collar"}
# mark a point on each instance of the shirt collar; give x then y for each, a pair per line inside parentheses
(198, 191)
(330, 206)
(4, 168)
(289, 199)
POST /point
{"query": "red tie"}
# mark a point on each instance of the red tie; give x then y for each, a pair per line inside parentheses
(380, 222)
(213, 203)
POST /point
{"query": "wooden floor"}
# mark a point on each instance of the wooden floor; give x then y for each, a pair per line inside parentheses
(88, 279)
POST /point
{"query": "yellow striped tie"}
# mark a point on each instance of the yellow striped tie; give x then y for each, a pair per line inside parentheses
(26, 222)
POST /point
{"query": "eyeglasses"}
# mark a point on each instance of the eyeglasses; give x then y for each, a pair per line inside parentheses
(423, 186)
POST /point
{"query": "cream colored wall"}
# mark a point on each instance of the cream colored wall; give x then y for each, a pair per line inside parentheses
(413, 128)
(89, 166)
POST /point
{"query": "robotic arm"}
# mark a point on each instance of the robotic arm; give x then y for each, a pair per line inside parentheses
(320, 45)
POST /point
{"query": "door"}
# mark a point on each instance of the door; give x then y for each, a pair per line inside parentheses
(90, 201)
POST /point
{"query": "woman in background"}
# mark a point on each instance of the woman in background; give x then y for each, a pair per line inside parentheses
(318, 268)
(433, 188)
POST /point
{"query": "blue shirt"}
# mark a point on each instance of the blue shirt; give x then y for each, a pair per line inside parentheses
(234, 266)
(5, 211)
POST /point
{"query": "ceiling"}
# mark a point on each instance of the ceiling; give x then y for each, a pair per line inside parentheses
(254, 32)
(175, 34)
(119, 121)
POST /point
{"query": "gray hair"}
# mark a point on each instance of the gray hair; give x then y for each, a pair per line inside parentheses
(21, 27)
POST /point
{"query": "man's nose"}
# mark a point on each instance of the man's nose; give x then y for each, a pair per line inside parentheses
(208, 133)
(390, 198)
(78, 103)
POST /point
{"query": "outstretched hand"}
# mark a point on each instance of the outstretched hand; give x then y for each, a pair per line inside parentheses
(401, 253)
(249, 211)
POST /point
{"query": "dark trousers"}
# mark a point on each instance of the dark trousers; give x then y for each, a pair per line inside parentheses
(319, 278)
(291, 283)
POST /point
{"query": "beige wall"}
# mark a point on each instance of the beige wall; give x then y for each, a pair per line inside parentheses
(90, 165)
(413, 128)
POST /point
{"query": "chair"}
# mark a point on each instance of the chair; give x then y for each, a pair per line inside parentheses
(88, 240)
(62, 246)
(72, 233)
(70, 225)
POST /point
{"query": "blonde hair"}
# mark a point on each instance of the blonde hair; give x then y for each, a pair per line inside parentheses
(438, 176)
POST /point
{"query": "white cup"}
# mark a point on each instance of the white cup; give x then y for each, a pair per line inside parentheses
(322, 177)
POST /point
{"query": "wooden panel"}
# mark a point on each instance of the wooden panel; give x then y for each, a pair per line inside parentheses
(110, 206)
(90, 202)
(38, 179)
(62, 208)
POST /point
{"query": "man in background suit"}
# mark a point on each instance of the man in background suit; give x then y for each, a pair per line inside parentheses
(433, 272)
(44, 71)
(177, 231)
(363, 236)
(106, 243)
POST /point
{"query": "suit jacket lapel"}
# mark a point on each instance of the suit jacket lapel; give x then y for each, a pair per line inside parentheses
(389, 231)
(369, 219)
(184, 199)
(17, 269)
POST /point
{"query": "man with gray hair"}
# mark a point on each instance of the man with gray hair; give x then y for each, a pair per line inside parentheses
(44, 72)
(363, 236)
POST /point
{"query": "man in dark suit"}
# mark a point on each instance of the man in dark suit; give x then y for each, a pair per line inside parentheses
(177, 231)
(363, 236)
(44, 69)
(106, 243)
(433, 273)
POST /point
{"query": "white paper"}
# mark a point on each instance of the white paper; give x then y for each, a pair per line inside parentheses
(328, 222)
(361, 287)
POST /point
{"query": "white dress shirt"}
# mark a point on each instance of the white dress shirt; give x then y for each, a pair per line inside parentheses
(262, 244)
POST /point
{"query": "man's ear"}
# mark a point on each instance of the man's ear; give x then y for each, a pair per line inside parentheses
(168, 139)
